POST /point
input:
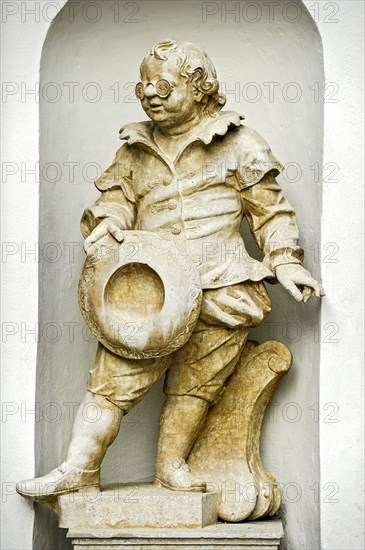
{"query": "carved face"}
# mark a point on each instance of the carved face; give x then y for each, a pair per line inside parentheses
(182, 102)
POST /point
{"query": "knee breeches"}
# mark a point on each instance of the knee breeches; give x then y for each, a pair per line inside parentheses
(201, 367)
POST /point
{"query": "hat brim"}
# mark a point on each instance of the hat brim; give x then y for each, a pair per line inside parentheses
(141, 298)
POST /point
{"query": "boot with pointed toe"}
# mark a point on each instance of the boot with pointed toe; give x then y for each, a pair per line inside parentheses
(64, 479)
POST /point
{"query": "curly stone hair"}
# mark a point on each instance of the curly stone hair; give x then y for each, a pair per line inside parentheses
(194, 64)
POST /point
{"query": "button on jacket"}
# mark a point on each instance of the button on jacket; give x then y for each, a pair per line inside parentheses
(223, 172)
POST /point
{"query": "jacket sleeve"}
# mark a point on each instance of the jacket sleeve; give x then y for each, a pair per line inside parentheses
(271, 218)
(117, 198)
(272, 222)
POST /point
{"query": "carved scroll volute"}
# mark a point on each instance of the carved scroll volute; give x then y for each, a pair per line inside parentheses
(227, 452)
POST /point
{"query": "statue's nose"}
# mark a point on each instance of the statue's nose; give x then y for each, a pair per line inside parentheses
(150, 90)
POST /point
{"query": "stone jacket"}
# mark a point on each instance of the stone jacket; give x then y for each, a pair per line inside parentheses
(224, 172)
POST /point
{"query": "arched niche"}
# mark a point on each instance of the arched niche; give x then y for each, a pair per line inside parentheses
(271, 69)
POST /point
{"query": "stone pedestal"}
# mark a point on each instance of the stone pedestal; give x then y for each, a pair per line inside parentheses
(262, 535)
(142, 505)
(144, 516)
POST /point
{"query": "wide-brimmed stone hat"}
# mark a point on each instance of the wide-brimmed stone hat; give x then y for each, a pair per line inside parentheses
(141, 298)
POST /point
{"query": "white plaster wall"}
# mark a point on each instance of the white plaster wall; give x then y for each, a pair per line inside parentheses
(341, 372)
(340, 522)
(22, 41)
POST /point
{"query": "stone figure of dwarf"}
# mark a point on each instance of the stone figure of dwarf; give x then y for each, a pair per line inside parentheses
(190, 174)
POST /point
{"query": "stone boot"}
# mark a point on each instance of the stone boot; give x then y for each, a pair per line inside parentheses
(64, 479)
(176, 475)
(180, 423)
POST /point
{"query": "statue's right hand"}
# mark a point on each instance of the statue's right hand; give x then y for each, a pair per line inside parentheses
(108, 225)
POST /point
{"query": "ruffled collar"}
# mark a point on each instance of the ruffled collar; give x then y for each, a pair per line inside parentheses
(142, 132)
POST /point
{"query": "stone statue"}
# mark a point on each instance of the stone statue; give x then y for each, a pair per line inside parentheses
(177, 192)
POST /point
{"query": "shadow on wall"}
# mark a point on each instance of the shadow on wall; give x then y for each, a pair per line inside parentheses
(270, 68)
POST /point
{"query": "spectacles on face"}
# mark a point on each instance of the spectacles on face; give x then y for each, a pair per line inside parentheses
(163, 89)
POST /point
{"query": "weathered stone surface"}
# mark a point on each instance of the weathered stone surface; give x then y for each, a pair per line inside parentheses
(179, 299)
(264, 535)
(140, 505)
(227, 451)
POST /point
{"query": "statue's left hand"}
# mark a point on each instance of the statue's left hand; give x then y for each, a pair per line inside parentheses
(298, 282)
